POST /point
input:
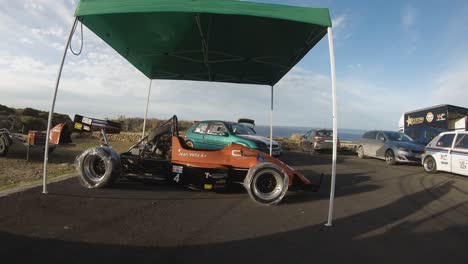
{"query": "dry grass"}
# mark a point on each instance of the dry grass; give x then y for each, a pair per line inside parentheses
(16, 171)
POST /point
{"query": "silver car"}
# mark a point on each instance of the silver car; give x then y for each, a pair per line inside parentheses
(321, 139)
(393, 147)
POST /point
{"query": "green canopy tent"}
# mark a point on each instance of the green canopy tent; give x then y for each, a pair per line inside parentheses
(207, 40)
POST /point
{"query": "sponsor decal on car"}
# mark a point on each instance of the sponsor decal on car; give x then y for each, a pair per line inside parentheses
(463, 164)
(429, 117)
(192, 154)
(177, 169)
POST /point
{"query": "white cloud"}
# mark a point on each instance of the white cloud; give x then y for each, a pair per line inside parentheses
(408, 21)
(341, 29)
(451, 86)
(408, 16)
(34, 5)
(357, 66)
(25, 40)
(48, 32)
(338, 21)
(101, 83)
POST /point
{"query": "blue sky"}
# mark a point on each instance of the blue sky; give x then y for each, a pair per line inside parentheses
(391, 57)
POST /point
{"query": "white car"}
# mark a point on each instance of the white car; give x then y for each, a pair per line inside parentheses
(447, 152)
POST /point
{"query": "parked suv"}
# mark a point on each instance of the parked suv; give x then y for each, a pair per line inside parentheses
(447, 152)
(393, 147)
(321, 139)
(214, 134)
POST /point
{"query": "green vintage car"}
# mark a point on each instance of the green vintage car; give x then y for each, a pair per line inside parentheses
(216, 134)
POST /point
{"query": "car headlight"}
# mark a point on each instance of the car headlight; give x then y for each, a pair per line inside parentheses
(403, 149)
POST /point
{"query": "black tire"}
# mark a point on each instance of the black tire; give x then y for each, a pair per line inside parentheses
(3, 146)
(390, 157)
(266, 184)
(430, 165)
(98, 167)
(360, 152)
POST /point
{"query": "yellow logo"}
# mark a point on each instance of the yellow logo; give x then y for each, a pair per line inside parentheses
(78, 126)
(414, 120)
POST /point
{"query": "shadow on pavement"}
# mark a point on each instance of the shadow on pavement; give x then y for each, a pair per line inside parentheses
(294, 158)
(381, 235)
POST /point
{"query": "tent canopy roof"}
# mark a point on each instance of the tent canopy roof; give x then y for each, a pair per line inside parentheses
(207, 40)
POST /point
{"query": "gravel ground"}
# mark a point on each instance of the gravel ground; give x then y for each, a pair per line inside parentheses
(15, 170)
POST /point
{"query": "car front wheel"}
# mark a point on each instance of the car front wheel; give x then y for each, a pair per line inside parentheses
(360, 152)
(430, 165)
(98, 167)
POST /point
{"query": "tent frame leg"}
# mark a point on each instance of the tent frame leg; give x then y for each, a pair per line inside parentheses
(52, 107)
(271, 123)
(146, 111)
(335, 126)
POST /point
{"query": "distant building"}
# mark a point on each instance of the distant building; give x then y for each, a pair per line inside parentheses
(424, 124)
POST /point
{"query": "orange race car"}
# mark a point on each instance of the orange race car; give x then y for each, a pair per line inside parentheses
(163, 155)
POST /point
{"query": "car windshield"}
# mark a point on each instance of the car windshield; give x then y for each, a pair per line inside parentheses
(239, 129)
(397, 136)
(325, 133)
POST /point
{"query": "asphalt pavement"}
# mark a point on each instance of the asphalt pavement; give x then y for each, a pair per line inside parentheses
(383, 214)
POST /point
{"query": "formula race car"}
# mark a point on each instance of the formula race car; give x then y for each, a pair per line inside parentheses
(164, 155)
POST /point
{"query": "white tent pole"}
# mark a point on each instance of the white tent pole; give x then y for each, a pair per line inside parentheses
(271, 123)
(146, 112)
(51, 112)
(335, 126)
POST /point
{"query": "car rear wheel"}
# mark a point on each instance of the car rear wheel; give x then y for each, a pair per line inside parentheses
(430, 165)
(390, 157)
(3, 146)
(266, 184)
(98, 167)
(190, 144)
(360, 152)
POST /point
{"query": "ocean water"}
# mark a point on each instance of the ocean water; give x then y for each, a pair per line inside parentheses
(286, 131)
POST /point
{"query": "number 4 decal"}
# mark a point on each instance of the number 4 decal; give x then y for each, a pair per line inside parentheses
(177, 178)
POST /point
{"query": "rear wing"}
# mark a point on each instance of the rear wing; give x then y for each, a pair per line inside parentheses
(247, 121)
(88, 124)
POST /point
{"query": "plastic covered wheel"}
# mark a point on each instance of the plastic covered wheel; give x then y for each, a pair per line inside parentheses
(3, 146)
(390, 157)
(98, 167)
(430, 165)
(266, 184)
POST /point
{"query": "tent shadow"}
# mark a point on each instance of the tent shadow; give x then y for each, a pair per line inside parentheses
(364, 237)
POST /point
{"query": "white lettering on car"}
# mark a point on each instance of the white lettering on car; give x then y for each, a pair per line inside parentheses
(192, 155)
